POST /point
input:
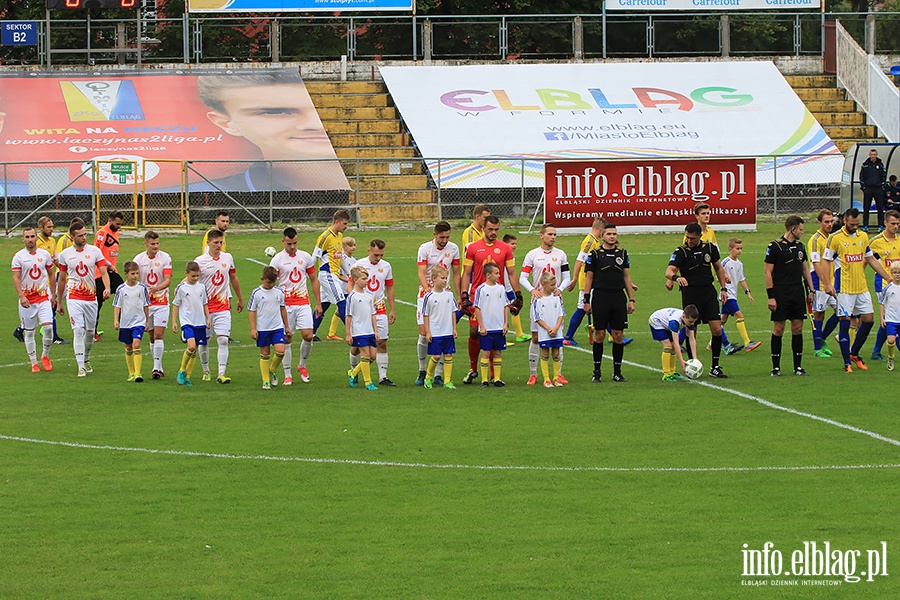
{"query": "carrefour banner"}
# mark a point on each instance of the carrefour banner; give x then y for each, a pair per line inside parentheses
(709, 5)
(148, 118)
(297, 5)
(496, 125)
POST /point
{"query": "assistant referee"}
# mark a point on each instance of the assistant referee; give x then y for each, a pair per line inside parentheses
(691, 267)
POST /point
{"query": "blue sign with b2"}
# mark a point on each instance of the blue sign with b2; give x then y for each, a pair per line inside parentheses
(19, 33)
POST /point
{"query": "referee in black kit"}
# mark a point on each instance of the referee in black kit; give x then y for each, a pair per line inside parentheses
(787, 273)
(691, 267)
(607, 277)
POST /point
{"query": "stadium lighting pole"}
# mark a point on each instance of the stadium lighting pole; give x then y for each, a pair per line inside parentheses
(603, 26)
(47, 32)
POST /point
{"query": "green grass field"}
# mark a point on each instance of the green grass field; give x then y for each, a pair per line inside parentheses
(111, 489)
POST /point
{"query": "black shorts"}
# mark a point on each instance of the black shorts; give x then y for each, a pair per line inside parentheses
(705, 298)
(609, 310)
(790, 304)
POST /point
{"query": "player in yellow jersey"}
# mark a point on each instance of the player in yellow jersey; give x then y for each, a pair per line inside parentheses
(475, 231)
(822, 301)
(886, 248)
(702, 213)
(329, 252)
(591, 242)
(850, 247)
(222, 221)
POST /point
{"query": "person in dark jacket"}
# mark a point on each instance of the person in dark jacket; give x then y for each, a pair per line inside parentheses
(872, 177)
(892, 194)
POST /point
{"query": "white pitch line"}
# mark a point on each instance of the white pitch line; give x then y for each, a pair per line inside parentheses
(458, 466)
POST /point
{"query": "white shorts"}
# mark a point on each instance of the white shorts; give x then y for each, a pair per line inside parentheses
(299, 317)
(381, 321)
(82, 313)
(159, 316)
(581, 299)
(221, 323)
(332, 288)
(854, 304)
(823, 302)
(40, 313)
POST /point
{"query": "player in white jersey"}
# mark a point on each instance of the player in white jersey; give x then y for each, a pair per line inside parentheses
(131, 317)
(217, 272)
(189, 307)
(77, 265)
(546, 258)
(32, 270)
(294, 268)
(492, 315)
(439, 312)
(362, 330)
(734, 268)
(548, 312)
(439, 251)
(889, 299)
(381, 286)
(269, 324)
(347, 262)
(156, 273)
(666, 327)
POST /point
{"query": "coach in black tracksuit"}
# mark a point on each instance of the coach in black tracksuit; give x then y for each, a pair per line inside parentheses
(872, 176)
(607, 279)
(691, 267)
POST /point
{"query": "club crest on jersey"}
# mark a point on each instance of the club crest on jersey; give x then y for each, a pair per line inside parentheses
(619, 261)
(496, 250)
(800, 255)
(707, 258)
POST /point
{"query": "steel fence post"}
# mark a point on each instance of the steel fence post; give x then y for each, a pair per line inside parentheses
(522, 186)
(775, 187)
(5, 200)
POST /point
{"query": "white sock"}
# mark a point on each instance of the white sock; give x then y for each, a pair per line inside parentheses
(78, 345)
(381, 359)
(534, 355)
(354, 360)
(158, 348)
(88, 345)
(422, 352)
(222, 354)
(203, 351)
(561, 359)
(439, 368)
(30, 345)
(47, 341)
(305, 349)
(288, 360)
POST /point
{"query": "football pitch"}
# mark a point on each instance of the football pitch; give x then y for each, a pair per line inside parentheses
(642, 489)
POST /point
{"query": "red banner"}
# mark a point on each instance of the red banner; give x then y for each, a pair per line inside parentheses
(652, 195)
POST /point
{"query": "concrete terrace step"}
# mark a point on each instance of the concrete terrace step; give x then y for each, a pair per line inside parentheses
(394, 196)
(844, 145)
(367, 140)
(830, 106)
(856, 132)
(394, 182)
(374, 126)
(384, 167)
(832, 94)
(356, 113)
(844, 119)
(350, 100)
(811, 81)
(376, 152)
(426, 213)
(346, 87)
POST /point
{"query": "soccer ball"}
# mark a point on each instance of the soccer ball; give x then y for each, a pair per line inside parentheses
(693, 368)
(270, 251)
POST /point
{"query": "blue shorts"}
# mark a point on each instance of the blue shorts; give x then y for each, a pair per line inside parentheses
(126, 336)
(557, 343)
(362, 341)
(197, 333)
(892, 328)
(264, 339)
(494, 340)
(730, 307)
(661, 335)
(440, 345)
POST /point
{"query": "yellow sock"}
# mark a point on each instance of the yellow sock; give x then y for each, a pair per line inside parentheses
(673, 362)
(276, 362)
(498, 364)
(668, 362)
(891, 349)
(545, 368)
(129, 360)
(557, 367)
(432, 365)
(485, 369)
(335, 321)
(190, 358)
(742, 329)
(264, 363)
(517, 326)
(853, 331)
(364, 366)
(188, 355)
(138, 359)
(448, 368)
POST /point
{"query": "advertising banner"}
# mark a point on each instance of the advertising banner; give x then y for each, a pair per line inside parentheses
(709, 5)
(510, 117)
(184, 115)
(330, 6)
(649, 195)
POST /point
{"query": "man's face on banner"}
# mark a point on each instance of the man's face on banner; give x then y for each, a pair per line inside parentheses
(280, 119)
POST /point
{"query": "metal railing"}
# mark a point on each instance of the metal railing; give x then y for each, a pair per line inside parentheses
(204, 39)
(383, 191)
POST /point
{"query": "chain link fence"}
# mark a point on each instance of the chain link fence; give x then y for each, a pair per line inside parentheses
(376, 191)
